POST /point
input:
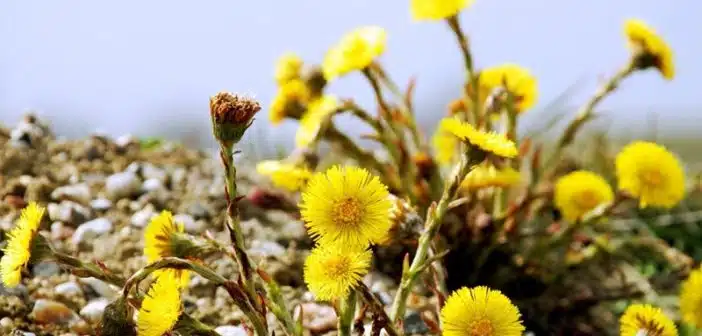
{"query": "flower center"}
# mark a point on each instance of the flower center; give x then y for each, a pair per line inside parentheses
(648, 327)
(347, 213)
(482, 327)
(337, 267)
(587, 200)
(652, 177)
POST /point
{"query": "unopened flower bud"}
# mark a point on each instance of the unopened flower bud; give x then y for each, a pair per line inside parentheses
(231, 116)
(116, 320)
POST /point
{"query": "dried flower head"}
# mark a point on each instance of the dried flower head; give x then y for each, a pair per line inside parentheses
(510, 79)
(231, 116)
(580, 192)
(316, 116)
(285, 175)
(644, 319)
(20, 242)
(331, 271)
(290, 101)
(649, 49)
(437, 9)
(161, 307)
(355, 51)
(650, 172)
(164, 237)
(288, 68)
(488, 142)
(346, 206)
(691, 299)
(485, 176)
(480, 311)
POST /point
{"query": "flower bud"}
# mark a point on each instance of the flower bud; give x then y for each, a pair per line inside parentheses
(231, 116)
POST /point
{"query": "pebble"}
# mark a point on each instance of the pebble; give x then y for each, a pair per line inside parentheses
(25, 134)
(150, 171)
(152, 184)
(228, 330)
(94, 309)
(91, 229)
(19, 290)
(415, 325)
(317, 316)
(121, 185)
(266, 249)
(76, 192)
(68, 288)
(68, 212)
(6, 322)
(100, 287)
(179, 176)
(125, 140)
(52, 312)
(142, 217)
(198, 211)
(189, 223)
(101, 204)
(22, 333)
(60, 231)
(46, 269)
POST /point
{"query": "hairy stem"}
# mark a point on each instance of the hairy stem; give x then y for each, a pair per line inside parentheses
(347, 310)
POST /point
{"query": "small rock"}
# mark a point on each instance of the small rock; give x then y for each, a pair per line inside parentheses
(415, 325)
(52, 312)
(68, 288)
(199, 211)
(6, 323)
(25, 134)
(143, 216)
(150, 171)
(266, 249)
(46, 269)
(60, 231)
(91, 229)
(17, 332)
(152, 184)
(68, 212)
(189, 223)
(94, 309)
(228, 330)
(134, 167)
(19, 290)
(317, 316)
(178, 177)
(75, 192)
(101, 204)
(121, 185)
(125, 140)
(100, 287)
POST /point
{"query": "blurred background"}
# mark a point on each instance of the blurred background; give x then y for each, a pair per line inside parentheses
(147, 68)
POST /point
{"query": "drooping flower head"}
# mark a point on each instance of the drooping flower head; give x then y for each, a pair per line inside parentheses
(485, 176)
(580, 192)
(347, 206)
(691, 299)
(164, 237)
(650, 50)
(644, 319)
(480, 311)
(285, 175)
(313, 119)
(161, 306)
(437, 9)
(510, 79)
(488, 142)
(18, 251)
(289, 101)
(355, 51)
(650, 172)
(288, 68)
(332, 270)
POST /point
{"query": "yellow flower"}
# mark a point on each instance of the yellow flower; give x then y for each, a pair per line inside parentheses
(164, 237)
(331, 271)
(312, 121)
(650, 172)
(644, 319)
(161, 306)
(480, 311)
(355, 51)
(288, 68)
(691, 299)
(649, 48)
(19, 244)
(445, 144)
(489, 142)
(347, 206)
(289, 100)
(284, 175)
(437, 9)
(580, 192)
(516, 80)
(485, 176)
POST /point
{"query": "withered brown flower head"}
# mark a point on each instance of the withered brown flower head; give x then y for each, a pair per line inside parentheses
(227, 108)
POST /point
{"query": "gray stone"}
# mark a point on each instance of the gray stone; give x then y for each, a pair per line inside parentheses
(121, 185)
(19, 290)
(101, 204)
(94, 309)
(150, 171)
(52, 312)
(189, 223)
(46, 269)
(22, 333)
(91, 229)
(229, 330)
(68, 212)
(68, 288)
(100, 287)
(266, 249)
(152, 184)
(76, 192)
(6, 323)
(179, 176)
(199, 211)
(125, 140)
(142, 217)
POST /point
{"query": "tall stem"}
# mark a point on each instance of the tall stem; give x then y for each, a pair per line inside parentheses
(471, 98)
(347, 310)
(88, 269)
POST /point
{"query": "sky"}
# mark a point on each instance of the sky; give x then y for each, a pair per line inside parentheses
(148, 67)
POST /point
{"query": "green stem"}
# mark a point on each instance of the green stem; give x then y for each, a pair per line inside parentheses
(84, 269)
(472, 98)
(347, 310)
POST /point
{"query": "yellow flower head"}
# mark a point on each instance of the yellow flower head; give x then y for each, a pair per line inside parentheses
(644, 319)
(312, 121)
(163, 237)
(480, 311)
(488, 142)
(650, 172)
(347, 206)
(355, 51)
(288, 68)
(284, 175)
(437, 9)
(290, 100)
(19, 245)
(331, 271)
(580, 192)
(485, 176)
(649, 48)
(445, 144)
(161, 307)
(691, 299)
(515, 80)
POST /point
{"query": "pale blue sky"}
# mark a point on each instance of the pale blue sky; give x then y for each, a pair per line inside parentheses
(132, 66)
